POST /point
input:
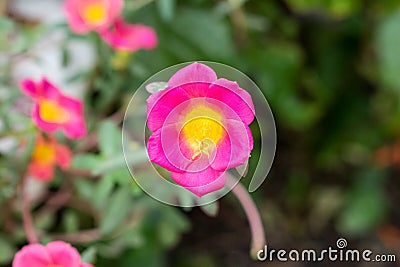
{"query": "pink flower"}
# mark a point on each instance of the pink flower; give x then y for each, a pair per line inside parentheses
(92, 15)
(130, 37)
(54, 254)
(46, 155)
(53, 110)
(200, 128)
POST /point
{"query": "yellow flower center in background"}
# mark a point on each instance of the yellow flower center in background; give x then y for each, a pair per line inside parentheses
(50, 111)
(44, 153)
(94, 13)
(203, 130)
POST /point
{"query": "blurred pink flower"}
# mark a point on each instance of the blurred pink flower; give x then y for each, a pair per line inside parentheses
(54, 254)
(87, 15)
(200, 128)
(47, 154)
(53, 110)
(130, 37)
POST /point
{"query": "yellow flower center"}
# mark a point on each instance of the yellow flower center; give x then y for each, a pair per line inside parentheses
(94, 13)
(50, 111)
(44, 153)
(203, 130)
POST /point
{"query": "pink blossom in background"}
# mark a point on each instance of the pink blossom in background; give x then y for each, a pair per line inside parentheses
(130, 37)
(200, 128)
(91, 15)
(46, 155)
(53, 110)
(54, 254)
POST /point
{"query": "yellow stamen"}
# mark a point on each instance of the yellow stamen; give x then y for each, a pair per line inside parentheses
(94, 13)
(44, 153)
(203, 130)
(50, 111)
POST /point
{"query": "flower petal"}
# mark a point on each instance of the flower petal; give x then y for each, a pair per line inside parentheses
(195, 72)
(170, 159)
(33, 255)
(44, 125)
(29, 87)
(74, 20)
(43, 172)
(236, 98)
(235, 148)
(43, 88)
(85, 265)
(200, 183)
(160, 105)
(130, 37)
(63, 254)
(63, 156)
(73, 8)
(75, 127)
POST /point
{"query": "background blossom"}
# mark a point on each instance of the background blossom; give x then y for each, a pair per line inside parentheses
(91, 15)
(46, 155)
(130, 37)
(53, 110)
(54, 254)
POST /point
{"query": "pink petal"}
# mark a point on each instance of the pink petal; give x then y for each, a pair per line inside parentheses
(63, 156)
(44, 125)
(195, 72)
(160, 105)
(42, 88)
(130, 37)
(171, 159)
(29, 87)
(85, 265)
(75, 127)
(48, 90)
(74, 20)
(42, 172)
(200, 183)
(235, 148)
(233, 96)
(34, 255)
(63, 254)
(114, 10)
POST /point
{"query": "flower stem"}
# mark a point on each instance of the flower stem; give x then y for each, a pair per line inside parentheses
(26, 215)
(256, 226)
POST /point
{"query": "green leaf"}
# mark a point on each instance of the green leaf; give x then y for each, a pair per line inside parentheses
(118, 161)
(103, 191)
(209, 34)
(70, 221)
(388, 43)
(85, 188)
(85, 161)
(166, 8)
(116, 212)
(211, 209)
(366, 206)
(110, 139)
(89, 255)
(156, 87)
(7, 251)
